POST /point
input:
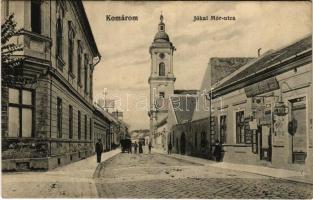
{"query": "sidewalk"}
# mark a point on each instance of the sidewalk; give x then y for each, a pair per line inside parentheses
(261, 170)
(74, 180)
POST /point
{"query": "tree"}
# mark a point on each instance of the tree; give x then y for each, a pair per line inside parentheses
(11, 70)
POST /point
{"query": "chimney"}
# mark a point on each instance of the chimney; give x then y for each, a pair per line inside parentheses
(259, 52)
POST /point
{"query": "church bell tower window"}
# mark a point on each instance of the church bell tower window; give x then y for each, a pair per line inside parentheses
(162, 69)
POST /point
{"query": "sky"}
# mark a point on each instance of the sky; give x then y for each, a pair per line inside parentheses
(124, 68)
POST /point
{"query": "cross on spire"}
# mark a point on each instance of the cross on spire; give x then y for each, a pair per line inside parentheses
(161, 17)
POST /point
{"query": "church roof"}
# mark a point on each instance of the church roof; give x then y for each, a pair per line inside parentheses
(161, 37)
(183, 107)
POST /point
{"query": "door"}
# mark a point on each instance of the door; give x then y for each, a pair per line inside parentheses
(265, 143)
(299, 139)
(183, 143)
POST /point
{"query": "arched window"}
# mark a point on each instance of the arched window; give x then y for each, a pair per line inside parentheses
(161, 69)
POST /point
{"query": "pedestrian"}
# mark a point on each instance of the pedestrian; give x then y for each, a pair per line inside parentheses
(217, 151)
(169, 148)
(140, 148)
(135, 147)
(150, 146)
(99, 150)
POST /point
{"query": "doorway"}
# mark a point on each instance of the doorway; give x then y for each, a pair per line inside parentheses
(265, 136)
(183, 143)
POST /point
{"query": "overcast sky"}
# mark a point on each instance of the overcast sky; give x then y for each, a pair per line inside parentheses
(124, 45)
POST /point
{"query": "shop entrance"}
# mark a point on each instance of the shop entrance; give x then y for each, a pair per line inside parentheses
(265, 141)
(298, 139)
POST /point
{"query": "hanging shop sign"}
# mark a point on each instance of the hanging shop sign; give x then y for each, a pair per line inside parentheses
(280, 109)
(261, 87)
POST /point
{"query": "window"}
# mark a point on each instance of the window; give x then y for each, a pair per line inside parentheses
(86, 62)
(90, 127)
(86, 130)
(196, 139)
(36, 16)
(20, 113)
(161, 95)
(70, 117)
(161, 69)
(59, 43)
(223, 129)
(59, 117)
(79, 62)
(70, 47)
(203, 139)
(91, 84)
(79, 126)
(240, 134)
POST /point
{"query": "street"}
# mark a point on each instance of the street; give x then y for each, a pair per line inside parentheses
(161, 176)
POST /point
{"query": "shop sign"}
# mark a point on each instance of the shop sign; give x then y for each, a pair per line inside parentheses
(253, 125)
(261, 87)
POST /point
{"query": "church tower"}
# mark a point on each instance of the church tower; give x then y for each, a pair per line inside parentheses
(161, 79)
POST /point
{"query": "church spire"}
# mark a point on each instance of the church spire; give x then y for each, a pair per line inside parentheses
(161, 24)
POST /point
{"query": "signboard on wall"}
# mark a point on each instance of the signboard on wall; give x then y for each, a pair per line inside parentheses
(261, 87)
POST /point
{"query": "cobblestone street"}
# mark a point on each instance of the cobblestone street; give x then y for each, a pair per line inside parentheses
(161, 176)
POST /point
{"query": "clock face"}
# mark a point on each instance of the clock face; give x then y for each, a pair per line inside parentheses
(162, 55)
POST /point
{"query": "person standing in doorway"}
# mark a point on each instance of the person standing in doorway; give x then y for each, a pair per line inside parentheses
(150, 146)
(169, 148)
(99, 150)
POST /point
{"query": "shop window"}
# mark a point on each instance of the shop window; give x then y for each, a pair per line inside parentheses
(59, 117)
(79, 126)
(240, 134)
(161, 69)
(36, 16)
(70, 117)
(223, 129)
(20, 122)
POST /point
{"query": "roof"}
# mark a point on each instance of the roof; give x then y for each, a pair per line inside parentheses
(184, 92)
(269, 59)
(86, 26)
(183, 107)
(162, 122)
(221, 67)
(161, 36)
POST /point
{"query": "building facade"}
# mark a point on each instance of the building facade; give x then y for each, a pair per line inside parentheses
(50, 122)
(262, 112)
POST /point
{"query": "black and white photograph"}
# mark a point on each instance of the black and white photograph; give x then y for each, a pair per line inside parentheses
(156, 99)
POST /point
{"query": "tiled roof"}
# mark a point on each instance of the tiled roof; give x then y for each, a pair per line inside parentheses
(272, 58)
(222, 67)
(183, 107)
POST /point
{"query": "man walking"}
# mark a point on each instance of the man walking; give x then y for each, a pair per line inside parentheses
(150, 146)
(99, 149)
(169, 148)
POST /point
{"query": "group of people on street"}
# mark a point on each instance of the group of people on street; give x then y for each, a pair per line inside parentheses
(217, 153)
(138, 146)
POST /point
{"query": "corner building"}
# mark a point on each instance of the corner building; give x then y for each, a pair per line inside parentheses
(49, 123)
